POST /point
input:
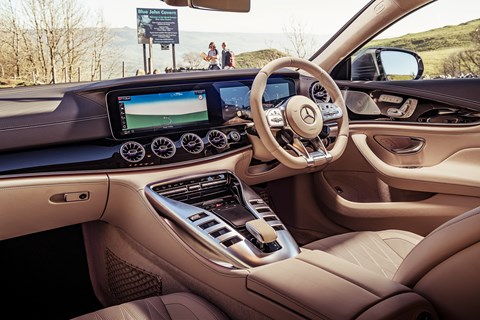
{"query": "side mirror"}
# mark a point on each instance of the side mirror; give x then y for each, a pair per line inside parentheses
(380, 64)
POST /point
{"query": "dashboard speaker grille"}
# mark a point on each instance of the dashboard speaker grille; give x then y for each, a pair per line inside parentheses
(163, 148)
(192, 143)
(217, 139)
(132, 151)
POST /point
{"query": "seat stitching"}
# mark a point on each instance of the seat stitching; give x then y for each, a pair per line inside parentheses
(121, 308)
(393, 238)
(202, 302)
(355, 258)
(382, 254)
(376, 243)
(364, 248)
(180, 304)
(150, 304)
(391, 260)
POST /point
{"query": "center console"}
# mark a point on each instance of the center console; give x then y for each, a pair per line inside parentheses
(225, 215)
(231, 220)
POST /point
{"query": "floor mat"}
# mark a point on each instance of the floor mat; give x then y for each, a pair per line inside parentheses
(46, 274)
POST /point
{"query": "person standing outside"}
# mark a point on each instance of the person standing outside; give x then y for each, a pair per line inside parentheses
(227, 57)
(212, 57)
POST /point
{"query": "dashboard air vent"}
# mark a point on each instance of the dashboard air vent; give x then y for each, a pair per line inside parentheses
(318, 93)
(192, 143)
(132, 151)
(163, 147)
(217, 139)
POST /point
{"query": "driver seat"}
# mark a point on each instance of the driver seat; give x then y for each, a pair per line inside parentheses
(443, 267)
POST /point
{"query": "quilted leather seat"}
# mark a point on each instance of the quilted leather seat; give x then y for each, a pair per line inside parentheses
(443, 267)
(184, 306)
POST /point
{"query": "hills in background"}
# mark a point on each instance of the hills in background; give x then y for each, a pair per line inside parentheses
(125, 43)
(253, 50)
(435, 45)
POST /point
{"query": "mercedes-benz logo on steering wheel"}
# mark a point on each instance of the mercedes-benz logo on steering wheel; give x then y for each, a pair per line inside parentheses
(307, 115)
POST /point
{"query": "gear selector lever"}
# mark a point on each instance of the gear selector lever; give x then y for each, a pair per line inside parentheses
(261, 230)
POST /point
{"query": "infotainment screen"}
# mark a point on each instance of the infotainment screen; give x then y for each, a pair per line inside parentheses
(237, 97)
(161, 110)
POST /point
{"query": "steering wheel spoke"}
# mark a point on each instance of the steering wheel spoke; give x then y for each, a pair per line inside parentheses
(299, 148)
(318, 151)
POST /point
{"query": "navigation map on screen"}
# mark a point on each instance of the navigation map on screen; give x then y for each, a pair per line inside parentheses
(163, 110)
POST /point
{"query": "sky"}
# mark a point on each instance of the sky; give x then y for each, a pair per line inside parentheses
(266, 16)
(270, 16)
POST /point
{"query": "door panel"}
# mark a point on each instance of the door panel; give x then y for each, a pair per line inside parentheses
(404, 174)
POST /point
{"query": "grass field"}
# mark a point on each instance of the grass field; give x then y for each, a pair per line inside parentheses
(433, 60)
(435, 45)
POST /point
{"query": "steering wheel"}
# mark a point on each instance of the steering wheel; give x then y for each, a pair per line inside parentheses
(298, 121)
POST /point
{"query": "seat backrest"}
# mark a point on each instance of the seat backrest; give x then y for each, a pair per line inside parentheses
(445, 267)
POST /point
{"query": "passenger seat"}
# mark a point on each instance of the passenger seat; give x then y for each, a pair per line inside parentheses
(174, 306)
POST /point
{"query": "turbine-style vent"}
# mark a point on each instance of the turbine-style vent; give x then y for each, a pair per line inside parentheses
(163, 147)
(132, 151)
(318, 93)
(192, 143)
(217, 139)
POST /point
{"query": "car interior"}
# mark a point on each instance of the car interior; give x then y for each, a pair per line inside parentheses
(301, 190)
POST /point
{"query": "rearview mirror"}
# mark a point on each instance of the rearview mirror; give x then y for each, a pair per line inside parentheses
(215, 5)
(380, 64)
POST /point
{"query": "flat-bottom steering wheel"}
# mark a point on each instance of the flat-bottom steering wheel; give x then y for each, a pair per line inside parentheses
(299, 118)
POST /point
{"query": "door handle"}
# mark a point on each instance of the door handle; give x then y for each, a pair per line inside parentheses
(401, 144)
(416, 144)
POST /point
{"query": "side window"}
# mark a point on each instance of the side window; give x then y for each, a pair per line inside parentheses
(439, 41)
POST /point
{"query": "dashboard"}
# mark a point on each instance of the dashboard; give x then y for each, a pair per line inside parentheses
(165, 120)
(134, 122)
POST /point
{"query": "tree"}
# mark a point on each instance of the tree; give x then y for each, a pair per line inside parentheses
(192, 60)
(52, 37)
(12, 51)
(100, 50)
(303, 44)
(466, 61)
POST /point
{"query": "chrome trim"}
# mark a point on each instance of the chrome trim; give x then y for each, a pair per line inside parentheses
(165, 142)
(243, 253)
(131, 145)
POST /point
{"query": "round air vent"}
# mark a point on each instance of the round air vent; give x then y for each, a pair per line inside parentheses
(163, 147)
(217, 139)
(132, 151)
(192, 143)
(318, 93)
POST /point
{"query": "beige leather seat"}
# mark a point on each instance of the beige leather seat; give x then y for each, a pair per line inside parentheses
(444, 267)
(184, 306)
